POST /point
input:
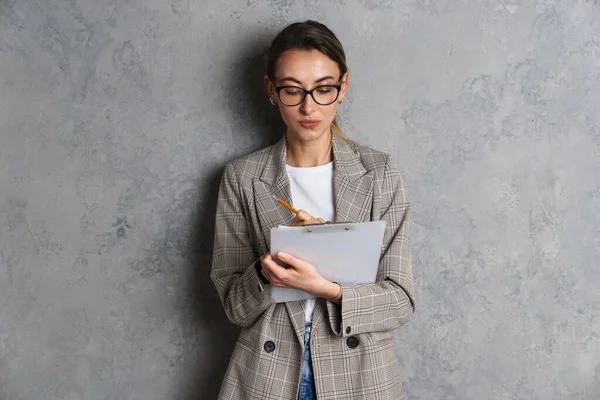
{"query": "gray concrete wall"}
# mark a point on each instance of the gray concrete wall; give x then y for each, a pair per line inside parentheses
(116, 118)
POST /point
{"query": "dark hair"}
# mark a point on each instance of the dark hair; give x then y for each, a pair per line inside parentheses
(308, 35)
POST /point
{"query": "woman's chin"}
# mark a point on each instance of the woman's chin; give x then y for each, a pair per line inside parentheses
(309, 134)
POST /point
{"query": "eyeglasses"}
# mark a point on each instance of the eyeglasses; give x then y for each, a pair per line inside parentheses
(323, 95)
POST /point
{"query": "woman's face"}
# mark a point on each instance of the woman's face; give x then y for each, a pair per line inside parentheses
(307, 69)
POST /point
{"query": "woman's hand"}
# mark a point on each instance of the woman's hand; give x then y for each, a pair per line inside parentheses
(300, 275)
(303, 218)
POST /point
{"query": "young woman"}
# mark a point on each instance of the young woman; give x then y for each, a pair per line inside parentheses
(341, 345)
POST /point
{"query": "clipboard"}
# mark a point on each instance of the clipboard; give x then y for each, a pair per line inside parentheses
(343, 252)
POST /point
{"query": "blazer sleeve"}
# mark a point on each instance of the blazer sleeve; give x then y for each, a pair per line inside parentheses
(243, 295)
(389, 302)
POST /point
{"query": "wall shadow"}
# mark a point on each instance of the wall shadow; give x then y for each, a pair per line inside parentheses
(251, 115)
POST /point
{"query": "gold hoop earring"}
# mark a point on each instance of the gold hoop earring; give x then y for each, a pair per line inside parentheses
(341, 100)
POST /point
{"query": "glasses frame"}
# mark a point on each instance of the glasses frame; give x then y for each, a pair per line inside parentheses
(305, 92)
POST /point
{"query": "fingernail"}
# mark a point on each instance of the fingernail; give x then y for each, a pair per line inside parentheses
(282, 255)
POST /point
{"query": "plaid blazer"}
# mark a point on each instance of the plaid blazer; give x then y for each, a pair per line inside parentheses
(353, 345)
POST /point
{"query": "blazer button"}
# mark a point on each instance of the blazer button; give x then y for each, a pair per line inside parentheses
(269, 346)
(352, 342)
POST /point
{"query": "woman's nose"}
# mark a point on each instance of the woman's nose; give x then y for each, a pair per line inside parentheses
(308, 104)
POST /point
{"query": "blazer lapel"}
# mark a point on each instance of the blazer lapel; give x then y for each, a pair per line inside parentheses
(352, 185)
(274, 183)
(297, 315)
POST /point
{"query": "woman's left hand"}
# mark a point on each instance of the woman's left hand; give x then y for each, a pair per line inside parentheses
(300, 274)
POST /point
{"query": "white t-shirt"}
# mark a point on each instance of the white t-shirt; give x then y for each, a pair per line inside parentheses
(312, 191)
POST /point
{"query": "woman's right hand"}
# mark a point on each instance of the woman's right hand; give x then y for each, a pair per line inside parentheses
(303, 218)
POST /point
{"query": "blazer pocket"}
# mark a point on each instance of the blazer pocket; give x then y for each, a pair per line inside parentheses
(382, 338)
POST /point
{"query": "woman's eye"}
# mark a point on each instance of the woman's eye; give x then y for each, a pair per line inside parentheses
(325, 90)
(292, 91)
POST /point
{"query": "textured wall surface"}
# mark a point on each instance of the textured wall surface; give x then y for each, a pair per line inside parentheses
(116, 118)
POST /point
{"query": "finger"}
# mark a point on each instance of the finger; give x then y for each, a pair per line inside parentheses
(321, 220)
(266, 275)
(267, 266)
(295, 221)
(276, 280)
(276, 272)
(304, 217)
(289, 259)
(279, 284)
(269, 263)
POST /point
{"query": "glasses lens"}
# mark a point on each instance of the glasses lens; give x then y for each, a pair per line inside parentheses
(291, 96)
(325, 95)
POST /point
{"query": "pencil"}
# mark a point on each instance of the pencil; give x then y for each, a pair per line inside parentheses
(286, 205)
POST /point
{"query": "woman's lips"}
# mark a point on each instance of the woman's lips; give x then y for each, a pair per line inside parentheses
(309, 123)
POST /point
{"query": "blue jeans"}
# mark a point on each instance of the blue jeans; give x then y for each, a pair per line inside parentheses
(307, 380)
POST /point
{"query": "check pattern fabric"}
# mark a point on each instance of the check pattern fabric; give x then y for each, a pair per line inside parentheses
(352, 345)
